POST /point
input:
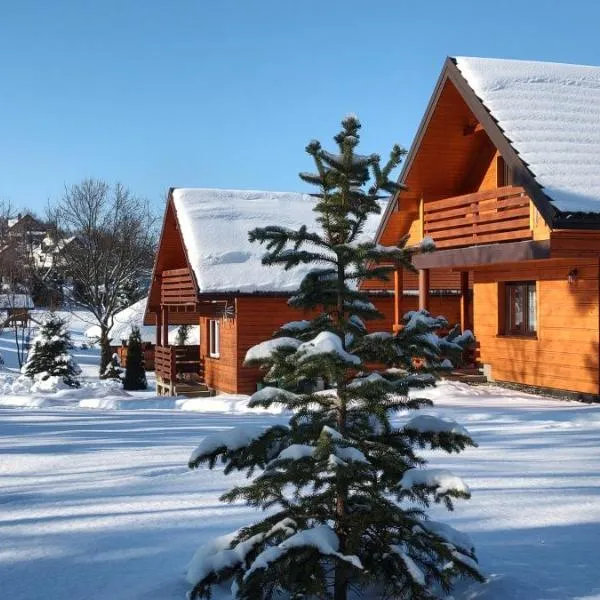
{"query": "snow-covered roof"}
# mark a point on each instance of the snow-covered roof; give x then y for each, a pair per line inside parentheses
(215, 224)
(15, 301)
(550, 112)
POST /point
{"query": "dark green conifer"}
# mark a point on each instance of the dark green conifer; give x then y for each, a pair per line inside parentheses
(135, 374)
(345, 489)
(50, 353)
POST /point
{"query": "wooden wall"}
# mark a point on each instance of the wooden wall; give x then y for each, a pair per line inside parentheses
(258, 317)
(440, 279)
(221, 373)
(565, 353)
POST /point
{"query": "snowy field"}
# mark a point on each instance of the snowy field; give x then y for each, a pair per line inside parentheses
(99, 504)
(96, 501)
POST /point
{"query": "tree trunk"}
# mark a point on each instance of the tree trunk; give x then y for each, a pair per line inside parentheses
(340, 590)
(341, 573)
(105, 352)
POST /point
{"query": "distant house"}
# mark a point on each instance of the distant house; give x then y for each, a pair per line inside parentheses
(15, 308)
(504, 175)
(25, 227)
(206, 272)
(31, 252)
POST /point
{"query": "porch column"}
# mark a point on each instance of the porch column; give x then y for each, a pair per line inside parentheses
(465, 301)
(398, 293)
(423, 289)
(158, 315)
(165, 325)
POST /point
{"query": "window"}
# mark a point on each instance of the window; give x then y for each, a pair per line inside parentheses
(503, 173)
(214, 342)
(520, 308)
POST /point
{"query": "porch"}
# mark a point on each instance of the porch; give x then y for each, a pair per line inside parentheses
(180, 371)
(470, 231)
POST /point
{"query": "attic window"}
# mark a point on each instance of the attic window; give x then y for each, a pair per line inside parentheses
(503, 173)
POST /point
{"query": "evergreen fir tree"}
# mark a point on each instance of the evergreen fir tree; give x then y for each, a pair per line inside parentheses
(183, 335)
(346, 490)
(135, 374)
(113, 369)
(49, 355)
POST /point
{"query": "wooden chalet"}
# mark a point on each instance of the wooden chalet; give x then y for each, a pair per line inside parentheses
(504, 176)
(207, 273)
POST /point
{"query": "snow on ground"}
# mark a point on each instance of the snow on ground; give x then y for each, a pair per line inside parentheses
(99, 504)
(79, 321)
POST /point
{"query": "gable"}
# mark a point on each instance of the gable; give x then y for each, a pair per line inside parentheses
(453, 156)
(550, 112)
(456, 152)
(170, 256)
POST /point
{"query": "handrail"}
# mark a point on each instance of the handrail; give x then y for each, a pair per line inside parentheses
(489, 216)
(474, 197)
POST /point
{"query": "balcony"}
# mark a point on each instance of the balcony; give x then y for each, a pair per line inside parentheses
(487, 217)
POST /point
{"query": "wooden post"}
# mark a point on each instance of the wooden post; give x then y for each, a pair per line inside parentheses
(165, 326)
(423, 289)
(465, 301)
(398, 293)
(158, 328)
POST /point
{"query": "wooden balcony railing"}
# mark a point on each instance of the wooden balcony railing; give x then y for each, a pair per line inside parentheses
(171, 362)
(177, 287)
(499, 215)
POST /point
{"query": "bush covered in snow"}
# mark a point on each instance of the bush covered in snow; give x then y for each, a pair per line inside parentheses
(113, 369)
(50, 354)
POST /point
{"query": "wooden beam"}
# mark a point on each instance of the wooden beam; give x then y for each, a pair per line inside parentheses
(484, 254)
(473, 128)
(424, 289)
(165, 325)
(158, 328)
(465, 301)
(398, 293)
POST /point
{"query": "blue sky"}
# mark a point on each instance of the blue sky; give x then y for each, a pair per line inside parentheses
(158, 93)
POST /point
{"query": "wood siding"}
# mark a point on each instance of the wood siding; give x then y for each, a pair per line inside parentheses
(441, 279)
(259, 317)
(221, 373)
(574, 243)
(170, 256)
(564, 355)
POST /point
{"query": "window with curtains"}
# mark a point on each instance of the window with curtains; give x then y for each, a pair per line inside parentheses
(520, 308)
(214, 342)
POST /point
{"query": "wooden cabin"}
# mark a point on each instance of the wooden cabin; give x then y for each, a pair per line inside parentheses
(207, 273)
(504, 176)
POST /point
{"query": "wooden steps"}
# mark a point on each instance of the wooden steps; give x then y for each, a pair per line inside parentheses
(188, 388)
(193, 390)
(470, 375)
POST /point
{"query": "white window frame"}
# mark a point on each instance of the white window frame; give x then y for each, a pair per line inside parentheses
(214, 338)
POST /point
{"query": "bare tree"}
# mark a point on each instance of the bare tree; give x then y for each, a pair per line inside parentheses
(111, 259)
